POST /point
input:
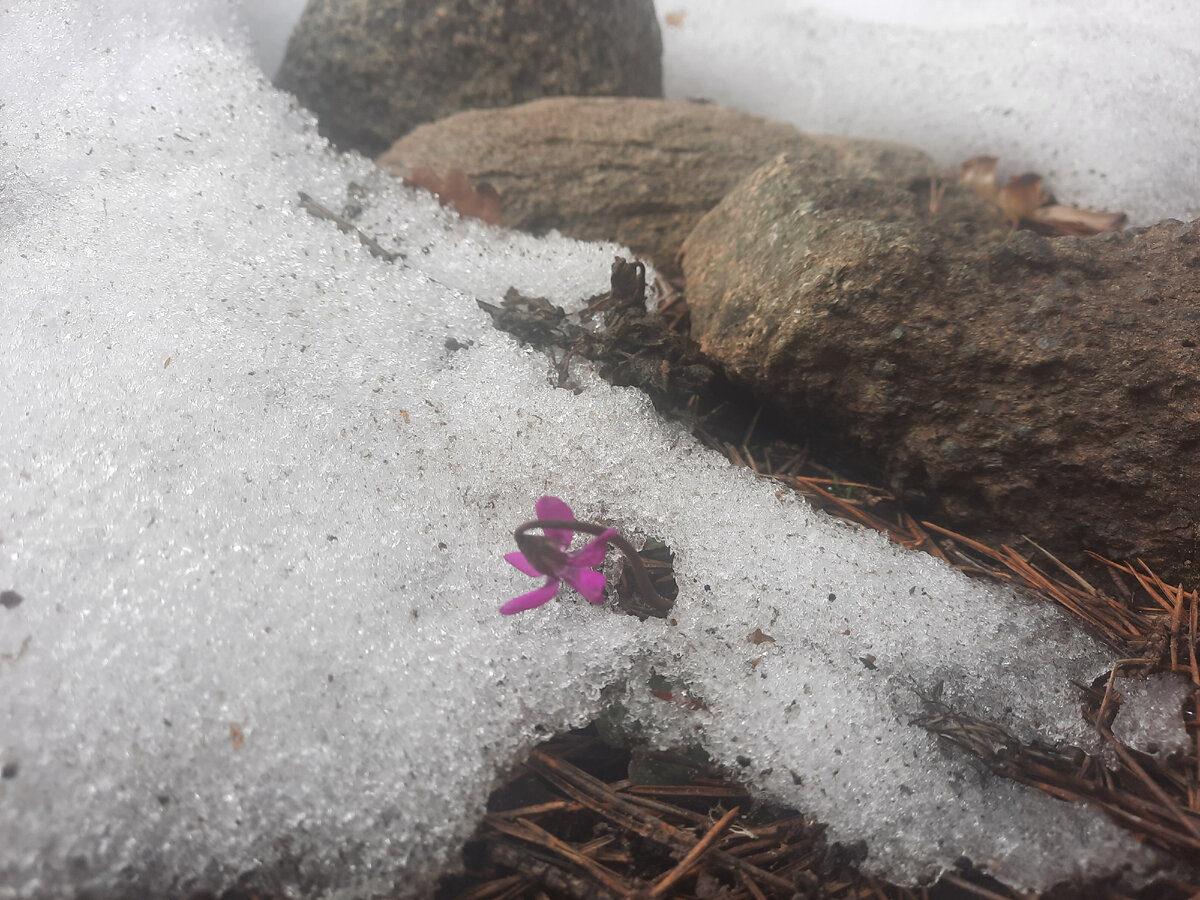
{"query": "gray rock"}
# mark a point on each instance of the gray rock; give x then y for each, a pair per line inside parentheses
(372, 70)
(641, 172)
(1018, 385)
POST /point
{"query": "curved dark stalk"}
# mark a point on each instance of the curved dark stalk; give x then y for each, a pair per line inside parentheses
(640, 576)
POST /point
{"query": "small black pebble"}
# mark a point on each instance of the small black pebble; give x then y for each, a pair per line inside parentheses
(743, 761)
(8, 770)
(10, 599)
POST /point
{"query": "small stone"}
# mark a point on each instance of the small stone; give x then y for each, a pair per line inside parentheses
(372, 70)
(1063, 392)
(653, 167)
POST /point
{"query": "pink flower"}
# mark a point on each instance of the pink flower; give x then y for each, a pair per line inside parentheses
(547, 554)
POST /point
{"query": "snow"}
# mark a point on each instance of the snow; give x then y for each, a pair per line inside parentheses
(1090, 94)
(255, 506)
(1151, 715)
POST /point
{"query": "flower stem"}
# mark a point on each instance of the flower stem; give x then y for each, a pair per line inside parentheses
(640, 576)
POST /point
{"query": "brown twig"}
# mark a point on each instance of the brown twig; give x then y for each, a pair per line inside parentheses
(587, 789)
(317, 211)
(693, 856)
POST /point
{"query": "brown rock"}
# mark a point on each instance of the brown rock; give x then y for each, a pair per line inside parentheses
(374, 69)
(641, 172)
(1023, 385)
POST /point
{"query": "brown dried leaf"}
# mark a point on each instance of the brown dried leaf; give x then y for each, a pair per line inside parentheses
(1079, 222)
(481, 202)
(1024, 200)
(757, 637)
(979, 174)
(455, 186)
(1021, 196)
(425, 178)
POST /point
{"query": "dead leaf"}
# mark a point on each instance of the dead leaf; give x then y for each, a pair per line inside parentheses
(1079, 222)
(979, 174)
(425, 178)
(1023, 200)
(239, 738)
(1021, 196)
(757, 637)
(675, 17)
(479, 202)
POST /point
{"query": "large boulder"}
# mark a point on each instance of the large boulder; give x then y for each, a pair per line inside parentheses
(374, 69)
(1021, 385)
(638, 171)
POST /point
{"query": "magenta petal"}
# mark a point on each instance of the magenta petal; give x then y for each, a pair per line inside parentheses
(592, 553)
(588, 582)
(532, 599)
(519, 560)
(552, 508)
